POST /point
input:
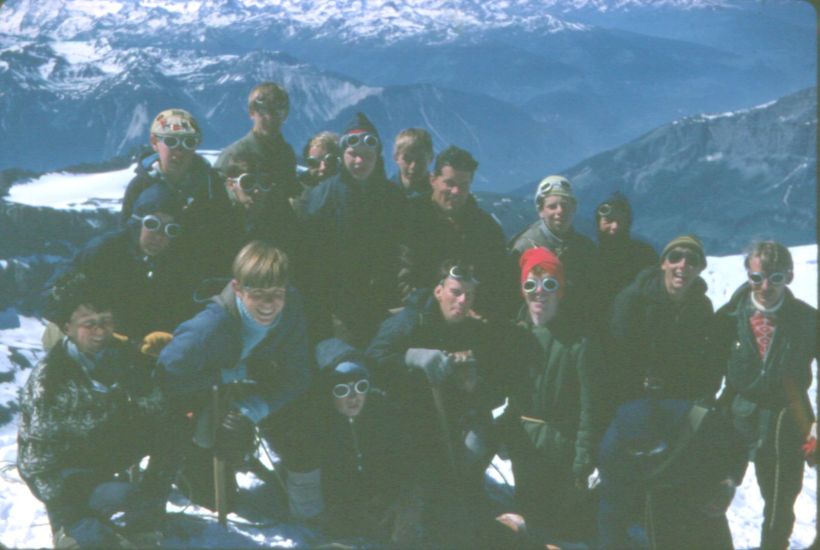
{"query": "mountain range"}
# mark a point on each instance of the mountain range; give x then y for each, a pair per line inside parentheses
(529, 86)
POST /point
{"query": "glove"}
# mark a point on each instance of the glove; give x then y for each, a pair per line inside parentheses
(234, 437)
(810, 446)
(436, 364)
(86, 533)
(154, 342)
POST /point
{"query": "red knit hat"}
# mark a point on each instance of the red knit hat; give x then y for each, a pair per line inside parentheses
(545, 259)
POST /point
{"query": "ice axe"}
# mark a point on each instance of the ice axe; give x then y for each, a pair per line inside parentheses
(220, 468)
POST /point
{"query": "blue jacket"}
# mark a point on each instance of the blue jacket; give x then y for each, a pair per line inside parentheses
(211, 341)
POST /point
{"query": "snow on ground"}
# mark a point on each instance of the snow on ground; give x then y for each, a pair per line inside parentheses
(23, 522)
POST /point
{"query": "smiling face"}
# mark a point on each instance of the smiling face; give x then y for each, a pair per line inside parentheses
(766, 293)
(557, 212)
(541, 304)
(89, 330)
(451, 188)
(455, 298)
(263, 304)
(681, 267)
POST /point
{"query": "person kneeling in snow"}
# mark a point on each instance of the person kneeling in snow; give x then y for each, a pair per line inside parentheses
(251, 342)
(89, 411)
(364, 458)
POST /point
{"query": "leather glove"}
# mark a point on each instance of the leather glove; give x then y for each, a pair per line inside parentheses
(436, 364)
(154, 342)
(234, 437)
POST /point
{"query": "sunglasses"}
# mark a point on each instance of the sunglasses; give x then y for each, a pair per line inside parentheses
(264, 108)
(172, 142)
(330, 161)
(547, 284)
(249, 182)
(756, 278)
(354, 140)
(677, 255)
(461, 273)
(153, 223)
(341, 391)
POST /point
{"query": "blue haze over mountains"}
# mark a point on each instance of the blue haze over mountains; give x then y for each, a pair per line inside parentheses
(612, 94)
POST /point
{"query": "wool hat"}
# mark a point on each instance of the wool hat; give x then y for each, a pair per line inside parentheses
(360, 124)
(338, 361)
(544, 258)
(686, 241)
(553, 185)
(71, 290)
(157, 198)
(175, 122)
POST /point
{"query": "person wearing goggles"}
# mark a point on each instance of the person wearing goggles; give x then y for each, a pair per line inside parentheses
(556, 204)
(250, 340)
(437, 360)
(363, 455)
(264, 146)
(205, 211)
(551, 371)
(620, 255)
(770, 337)
(354, 220)
(413, 153)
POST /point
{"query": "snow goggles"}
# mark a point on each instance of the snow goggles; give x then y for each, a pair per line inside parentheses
(461, 273)
(757, 278)
(341, 391)
(547, 284)
(354, 140)
(331, 161)
(677, 255)
(172, 142)
(606, 210)
(153, 223)
(248, 182)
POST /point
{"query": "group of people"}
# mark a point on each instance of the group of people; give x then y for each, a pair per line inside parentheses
(365, 329)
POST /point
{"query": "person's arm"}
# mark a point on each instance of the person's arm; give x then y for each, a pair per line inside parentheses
(388, 347)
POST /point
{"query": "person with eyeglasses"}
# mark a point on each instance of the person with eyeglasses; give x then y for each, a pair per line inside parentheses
(550, 426)
(365, 460)
(556, 204)
(352, 223)
(432, 357)
(251, 342)
(268, 108)
(769, 338)
(140, 266)
(413, 153)
(89, 411)
(205, 209)
(446, 223)
(621, 256)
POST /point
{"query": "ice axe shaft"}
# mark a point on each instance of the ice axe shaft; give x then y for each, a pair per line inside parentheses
(220, 468)
(438, 401)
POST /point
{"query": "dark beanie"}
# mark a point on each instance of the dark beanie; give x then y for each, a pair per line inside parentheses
(340, 362)
(71, 290)
(157, 198)
(692, 242)
(360, 124)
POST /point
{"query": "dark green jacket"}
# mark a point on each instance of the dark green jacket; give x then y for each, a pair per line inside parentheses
(756, 389)
(551, 395)
(650, 336)
(73, 436)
